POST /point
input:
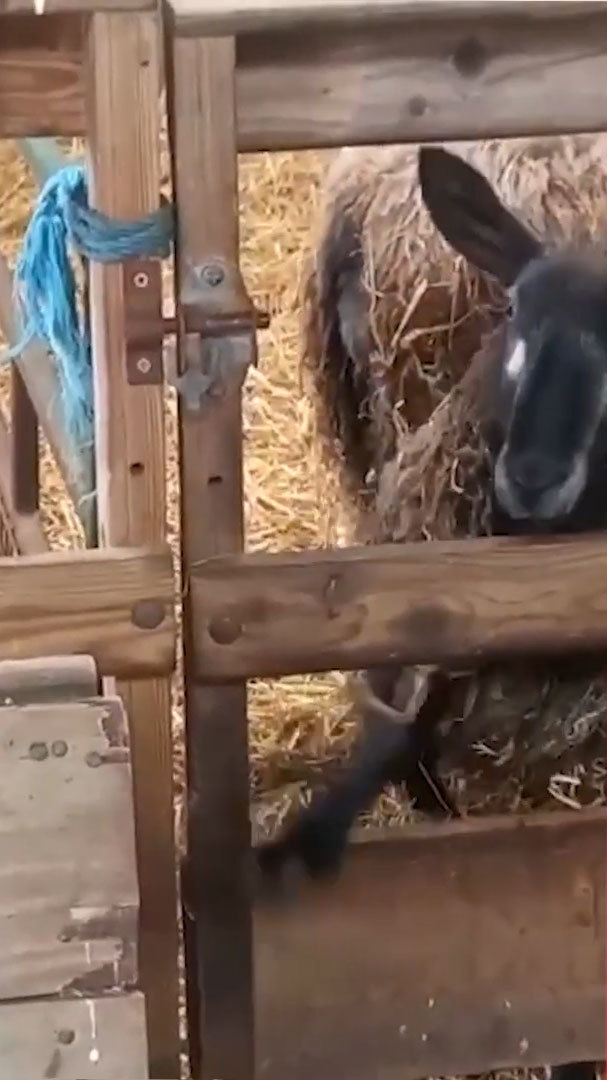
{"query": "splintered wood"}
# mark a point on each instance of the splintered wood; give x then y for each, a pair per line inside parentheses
(68, 883)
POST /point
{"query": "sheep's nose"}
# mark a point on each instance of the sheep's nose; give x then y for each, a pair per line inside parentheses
(533, 473)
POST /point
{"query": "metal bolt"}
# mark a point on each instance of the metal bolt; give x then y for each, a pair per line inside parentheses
(144, 366)
(212, 274)
(141, 280)
(93, 759)
(147, 614)
(65, 1036)
(38, 751)
(59, 748)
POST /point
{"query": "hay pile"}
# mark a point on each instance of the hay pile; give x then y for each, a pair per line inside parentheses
(520, 735)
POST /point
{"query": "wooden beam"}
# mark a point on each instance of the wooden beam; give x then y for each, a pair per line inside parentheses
(41, 84)
(451, 602)
(206, 187)
(440, 950)
(123, 120)
(494, 76)
(205, 18)
(116, 606)
(386, 80)
(73, 7)
(57, 1038)
(68, 878)
(39, 375)
(47, 679)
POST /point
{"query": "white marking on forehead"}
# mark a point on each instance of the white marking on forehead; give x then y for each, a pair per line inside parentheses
(516, 361)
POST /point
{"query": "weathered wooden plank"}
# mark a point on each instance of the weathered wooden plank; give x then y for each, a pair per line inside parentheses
(210, 17)
(41, 86)
(116, 606)
(39, 375)
(445, 602)
(68, 883)
(48, 679)
(204, 146)
(123, 112)
(72, 7)
(495, 74)
(441, 950)
(90, 1039)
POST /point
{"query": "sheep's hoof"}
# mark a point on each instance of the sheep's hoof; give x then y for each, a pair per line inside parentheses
(317, 844)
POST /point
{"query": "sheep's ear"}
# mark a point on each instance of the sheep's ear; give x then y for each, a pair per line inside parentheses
(468, 213)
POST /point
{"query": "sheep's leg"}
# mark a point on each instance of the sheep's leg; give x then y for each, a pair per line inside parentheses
(389, 752)
(575, 1070)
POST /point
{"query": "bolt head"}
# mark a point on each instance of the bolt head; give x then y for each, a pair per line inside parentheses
(212, 274)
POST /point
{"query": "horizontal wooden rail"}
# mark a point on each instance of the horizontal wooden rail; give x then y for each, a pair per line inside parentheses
(441, 950)
(454, 71)
(452, 602)
(208, 17)
(115, 605)
(74, 7)
(40, 377)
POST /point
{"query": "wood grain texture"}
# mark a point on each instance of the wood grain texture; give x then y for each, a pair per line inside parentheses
(467, 74)
(73, 7)
(208, 17)
(48, 679)
(39, 375)
(123, 112)
(54, 1040)
(450, 602)
(41, 86)
(495, 76)
(86, 602)
(201, 101)
(68, 883)
(440, 950)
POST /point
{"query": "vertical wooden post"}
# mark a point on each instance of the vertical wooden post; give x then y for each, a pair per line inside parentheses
(203, 135)
(123, 124)
(24, 447)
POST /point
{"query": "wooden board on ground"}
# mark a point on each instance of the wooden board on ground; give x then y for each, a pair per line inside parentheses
(493, 74)
(116, 606)
(68, 884)
(46, 680)
(87, 1039)
(444, 602)
(441, 951)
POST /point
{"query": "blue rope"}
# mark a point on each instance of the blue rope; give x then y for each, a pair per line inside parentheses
(46, 292)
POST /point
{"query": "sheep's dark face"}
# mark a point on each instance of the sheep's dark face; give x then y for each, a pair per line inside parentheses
(554, 377)
(554, 386)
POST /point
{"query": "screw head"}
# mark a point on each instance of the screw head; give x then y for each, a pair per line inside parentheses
(38, 751)
(212, 274)
(59, 748)
(93, 759)
(65, 1036)
(141, 280)
(144, 366)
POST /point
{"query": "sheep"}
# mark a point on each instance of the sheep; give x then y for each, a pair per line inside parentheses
(538, 337)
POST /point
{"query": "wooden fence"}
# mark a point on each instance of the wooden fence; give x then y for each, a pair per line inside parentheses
(368, 976)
